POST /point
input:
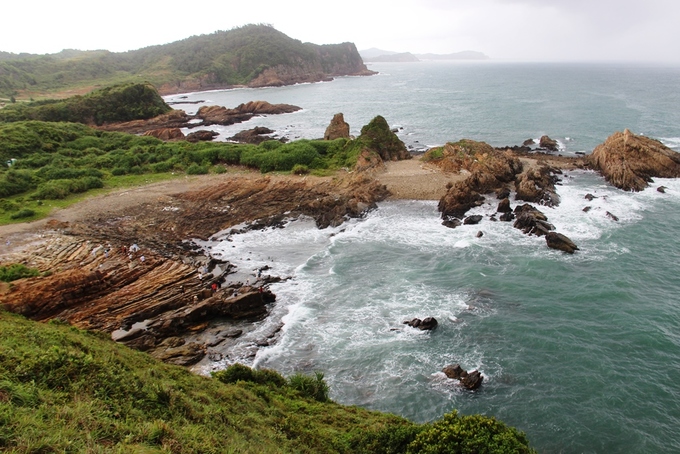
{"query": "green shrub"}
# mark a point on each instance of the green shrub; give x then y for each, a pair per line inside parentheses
(219, 169)
(53, 190)
(8, 206)
(475, 434)
(313, 387)
(238, 372)
(9, 273)
(195, 169)
(300, 169)
(389, 440)
(23, 213)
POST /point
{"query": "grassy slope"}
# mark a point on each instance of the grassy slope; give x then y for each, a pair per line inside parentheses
(65, 390)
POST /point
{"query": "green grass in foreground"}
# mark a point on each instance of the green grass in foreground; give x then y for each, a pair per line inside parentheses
(66, 390)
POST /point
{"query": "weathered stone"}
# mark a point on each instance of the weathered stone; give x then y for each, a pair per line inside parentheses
(454, 371)
(452, 223)
(472, 220)
(662, 189)
(473, 380)
(612, 216)
(629, 161)
(558, 241)
(255, 136)
(337, 129)
(537, 185)
(548, 143)
(504, 206)
(166, 134)
(201, 136)
(426, 324)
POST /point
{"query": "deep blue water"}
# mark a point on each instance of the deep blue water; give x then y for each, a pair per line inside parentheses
(581, 352)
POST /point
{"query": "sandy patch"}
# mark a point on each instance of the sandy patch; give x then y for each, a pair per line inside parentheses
(414, 179)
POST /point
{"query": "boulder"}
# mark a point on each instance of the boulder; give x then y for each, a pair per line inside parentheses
(612, 216)
(507, 217)
(202, 136)
(589, 197)
(532, 221)
(662, 189)
(629, 161)
(548, 143)
(337, 129)
(426, 324)
(377, 136)
(504, 206)
(471, 380)
(473, 220)
(528, 142)
(452, 223)
(558, 241)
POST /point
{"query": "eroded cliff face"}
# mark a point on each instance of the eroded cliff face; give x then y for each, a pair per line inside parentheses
(629, 161)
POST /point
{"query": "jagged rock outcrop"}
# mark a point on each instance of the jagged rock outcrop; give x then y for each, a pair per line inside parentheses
(471, 380)
(548, 143)
(427, 324)
(561, 242)
(491, 170)
(532, 221)
(337, 129)
(629, 161)
(537, 185)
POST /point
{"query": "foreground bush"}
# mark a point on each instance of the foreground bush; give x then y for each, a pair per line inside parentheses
(9, 273)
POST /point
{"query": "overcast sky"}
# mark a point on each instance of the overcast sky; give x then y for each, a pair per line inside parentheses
(525, 30)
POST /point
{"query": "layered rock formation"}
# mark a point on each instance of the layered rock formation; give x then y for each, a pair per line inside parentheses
(629, 161)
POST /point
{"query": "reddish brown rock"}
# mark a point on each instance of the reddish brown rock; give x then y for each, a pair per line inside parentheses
(629, 161)
(561, 242)
(337, 129)
(201, 136)
(166, 134)
(537, 185)
(548, 143)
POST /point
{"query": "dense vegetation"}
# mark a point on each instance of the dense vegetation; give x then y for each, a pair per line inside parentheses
(50, 161)
(123, 102)
(222, 58)
(65, 390)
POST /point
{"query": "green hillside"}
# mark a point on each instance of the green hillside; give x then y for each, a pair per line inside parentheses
(217, 60)
(66, 390)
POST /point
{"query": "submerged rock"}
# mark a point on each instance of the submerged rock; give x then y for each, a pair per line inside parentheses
(426, 324)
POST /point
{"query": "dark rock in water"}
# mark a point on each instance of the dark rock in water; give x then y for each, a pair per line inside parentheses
(507, 217)
(613, 217)
(255, 136)
(532, 221)
(558, 241)
(528, 142)
(472, 220)
(504, 206)
(589, 197)
(426, 324)
(587, 209)
(480, 234)
(662, 189)
(548, 143)
(454, 371)
(452, 223)
(472, 380)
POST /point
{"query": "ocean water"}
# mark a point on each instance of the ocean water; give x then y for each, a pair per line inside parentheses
(582, 352)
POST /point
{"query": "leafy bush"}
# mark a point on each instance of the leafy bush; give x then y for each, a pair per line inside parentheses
(195, 169)
(300, 169)
(313, 387)
(23, 213)
(474, 434)
(9, 273)
(238, 372)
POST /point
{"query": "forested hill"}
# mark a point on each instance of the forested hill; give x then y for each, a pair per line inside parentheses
(253, 55)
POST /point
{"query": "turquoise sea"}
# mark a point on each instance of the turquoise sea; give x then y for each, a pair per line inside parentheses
(582, 352)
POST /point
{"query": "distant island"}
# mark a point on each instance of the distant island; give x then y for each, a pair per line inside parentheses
(374, 55)
(252, 55)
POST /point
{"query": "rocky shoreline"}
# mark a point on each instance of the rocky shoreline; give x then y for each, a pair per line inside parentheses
(135, 270)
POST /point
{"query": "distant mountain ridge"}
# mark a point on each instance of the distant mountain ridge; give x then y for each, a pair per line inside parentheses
(378, 55)
(252, 55)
